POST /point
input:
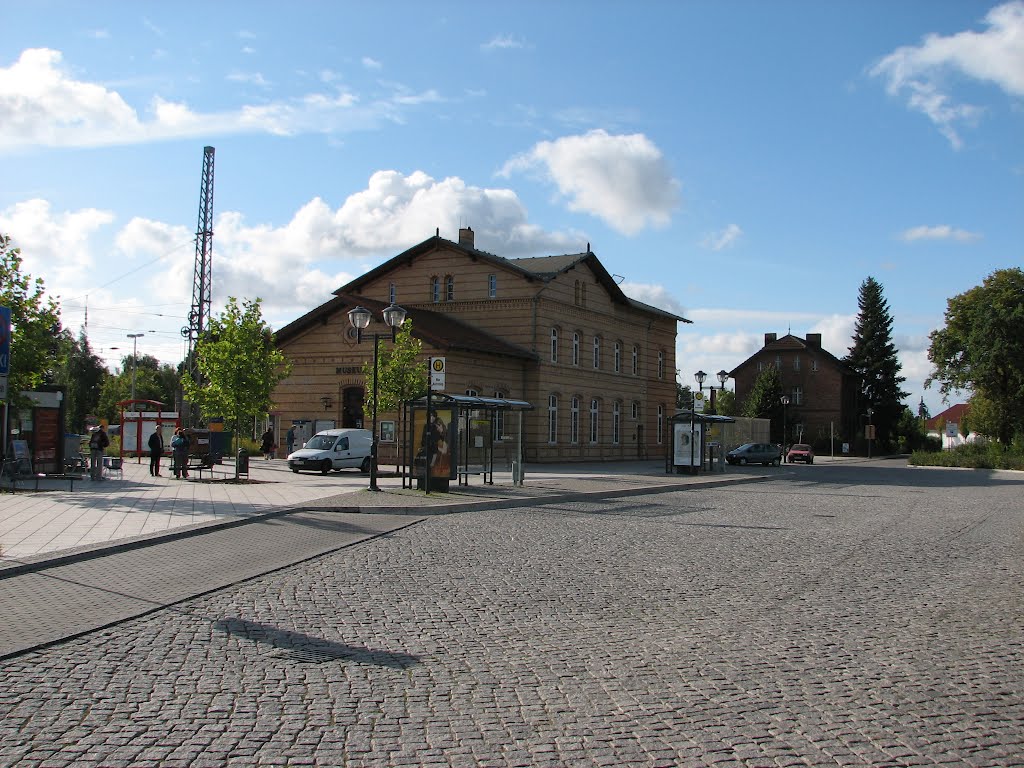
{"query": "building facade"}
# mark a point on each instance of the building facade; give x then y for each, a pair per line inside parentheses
(821, 388)
(556, 331)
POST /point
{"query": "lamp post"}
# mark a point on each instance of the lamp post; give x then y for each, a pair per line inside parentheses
(871, 430)
(785, 401)
(135, 340)
(723, 376)
(359, 317)
(700, 376)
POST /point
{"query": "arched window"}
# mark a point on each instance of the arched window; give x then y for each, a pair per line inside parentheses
(554, 345)
(435, 289)
(661, 423)
(595, 414)
(391, 292)
(597, 351)
(552, 419)
(661, 364)
(636, 360)
(449, 288)
(492, 286)
(618, 356)
(616, 423)
(574, 421)
(576, 348)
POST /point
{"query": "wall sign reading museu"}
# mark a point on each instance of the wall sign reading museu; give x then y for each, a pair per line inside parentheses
(356, 369)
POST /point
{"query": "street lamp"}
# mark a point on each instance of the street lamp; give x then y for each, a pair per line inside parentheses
(359, 317)
(134, 337)
(700, 376)
(785, 401)
(723, 376)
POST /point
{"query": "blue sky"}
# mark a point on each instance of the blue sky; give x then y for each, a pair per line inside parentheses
(745, 164)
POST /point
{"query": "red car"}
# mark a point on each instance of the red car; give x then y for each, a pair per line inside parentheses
(800, 452)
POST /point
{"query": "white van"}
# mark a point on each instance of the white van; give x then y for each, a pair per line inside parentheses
(334, 449)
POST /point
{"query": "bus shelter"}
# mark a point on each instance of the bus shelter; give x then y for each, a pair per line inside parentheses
(693, 438)
(454, 436)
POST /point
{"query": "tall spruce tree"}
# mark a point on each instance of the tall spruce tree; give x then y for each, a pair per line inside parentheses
(873, 358)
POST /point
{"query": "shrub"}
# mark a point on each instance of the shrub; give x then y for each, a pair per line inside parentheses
(979, 455)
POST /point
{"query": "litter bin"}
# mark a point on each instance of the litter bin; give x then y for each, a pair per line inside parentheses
(242, 462)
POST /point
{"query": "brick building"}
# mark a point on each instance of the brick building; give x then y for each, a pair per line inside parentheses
(821, 388)
(556, 331)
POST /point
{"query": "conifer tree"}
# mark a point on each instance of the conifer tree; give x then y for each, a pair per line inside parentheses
(873, 358)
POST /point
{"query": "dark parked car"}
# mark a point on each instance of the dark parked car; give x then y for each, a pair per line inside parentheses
(800, 452)
(755, 453)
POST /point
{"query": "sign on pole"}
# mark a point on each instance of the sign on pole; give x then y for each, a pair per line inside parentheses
(698, 402)
(952, 429)
(5, 341)
(3, 388)
(437, 371)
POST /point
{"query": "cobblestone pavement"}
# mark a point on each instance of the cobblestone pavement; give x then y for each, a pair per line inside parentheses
(835, 616)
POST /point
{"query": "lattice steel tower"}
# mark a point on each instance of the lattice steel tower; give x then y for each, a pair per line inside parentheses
(202, 285)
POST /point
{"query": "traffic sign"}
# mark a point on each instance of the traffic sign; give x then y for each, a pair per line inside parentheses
(437, 371)
(3, 387)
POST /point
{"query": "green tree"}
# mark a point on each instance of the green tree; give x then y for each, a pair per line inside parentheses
(765, 400)
(873, 357)
(239, 366)
(82, 374)
(725, 402)
(402, 377)
(981, 348)
(153, 381)
(910, 432)
(36, 333)
(984, 416)
(684, 397)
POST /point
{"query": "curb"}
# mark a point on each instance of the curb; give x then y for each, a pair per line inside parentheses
(93, 551)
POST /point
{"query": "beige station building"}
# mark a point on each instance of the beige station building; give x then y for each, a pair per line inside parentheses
(598, 367)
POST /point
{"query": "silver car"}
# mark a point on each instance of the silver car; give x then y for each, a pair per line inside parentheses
(755, 453)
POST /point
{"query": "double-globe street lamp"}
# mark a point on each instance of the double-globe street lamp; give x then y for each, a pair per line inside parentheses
(360, 317)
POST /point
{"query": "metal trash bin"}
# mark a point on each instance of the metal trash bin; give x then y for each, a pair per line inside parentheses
(242, 462)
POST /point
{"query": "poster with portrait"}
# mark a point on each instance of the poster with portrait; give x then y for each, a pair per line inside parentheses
(442, 430)
(387, 431)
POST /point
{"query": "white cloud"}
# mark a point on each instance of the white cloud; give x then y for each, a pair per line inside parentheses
(502, 43)
(41, 105)
(995, 56)
(369, 63)
(655, 295)
(941, 232)
(718, 241)
(54, 245)
(250, 78)
(292, 267)
(623, 180)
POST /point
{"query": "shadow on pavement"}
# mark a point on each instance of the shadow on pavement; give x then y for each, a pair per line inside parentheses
(298, 646)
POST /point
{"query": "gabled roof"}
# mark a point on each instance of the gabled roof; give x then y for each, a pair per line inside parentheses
(438, 330)
(540, 268)
(791, 342)
(955, 413)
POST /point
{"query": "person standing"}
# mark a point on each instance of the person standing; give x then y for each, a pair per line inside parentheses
(290, 438)
(98, 442)
(267, 444)
(156, 450)
(179, 453)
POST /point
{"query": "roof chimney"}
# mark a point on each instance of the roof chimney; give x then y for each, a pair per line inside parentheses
(814, 340)
(769, 338)
(466, 237)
